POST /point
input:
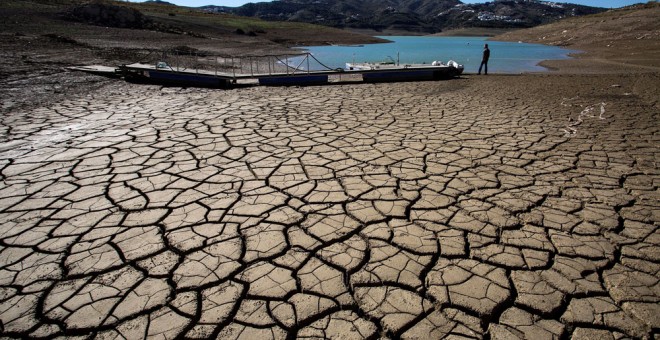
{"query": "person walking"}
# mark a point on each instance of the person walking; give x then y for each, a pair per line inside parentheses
(484, 60)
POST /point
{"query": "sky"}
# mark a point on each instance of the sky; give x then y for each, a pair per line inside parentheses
(236, 3)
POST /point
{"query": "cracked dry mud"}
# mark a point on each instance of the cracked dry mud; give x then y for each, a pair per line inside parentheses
(417, 210)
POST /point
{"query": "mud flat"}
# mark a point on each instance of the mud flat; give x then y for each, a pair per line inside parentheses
(502, 205)
(495, 206)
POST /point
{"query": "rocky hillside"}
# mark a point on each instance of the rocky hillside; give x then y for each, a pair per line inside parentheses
(628, 35)
(427, 16)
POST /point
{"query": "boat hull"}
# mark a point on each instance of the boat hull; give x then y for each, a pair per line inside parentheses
(148, 73)
(177, 78)
(289, 80)
(410, 74)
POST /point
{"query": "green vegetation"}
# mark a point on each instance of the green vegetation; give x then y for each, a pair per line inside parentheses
(159, 26)
(229, 22)
(188, 18)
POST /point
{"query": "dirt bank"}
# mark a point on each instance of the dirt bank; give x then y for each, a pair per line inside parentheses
(39, 38)
(621, 40)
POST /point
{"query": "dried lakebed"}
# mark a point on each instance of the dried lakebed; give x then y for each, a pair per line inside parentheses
(463, 208)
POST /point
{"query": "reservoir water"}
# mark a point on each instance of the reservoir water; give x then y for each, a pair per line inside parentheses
(506, 57)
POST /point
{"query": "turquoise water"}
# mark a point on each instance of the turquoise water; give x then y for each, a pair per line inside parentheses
(505, 57)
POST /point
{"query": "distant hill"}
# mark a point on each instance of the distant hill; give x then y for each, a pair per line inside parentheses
(629, 35)
(159, 2)
(424, 16)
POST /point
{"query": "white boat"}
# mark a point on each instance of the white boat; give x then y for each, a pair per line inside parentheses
(387, 65)
(391, 71)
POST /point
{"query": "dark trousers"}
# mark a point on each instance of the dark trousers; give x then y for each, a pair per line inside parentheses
(484, 63)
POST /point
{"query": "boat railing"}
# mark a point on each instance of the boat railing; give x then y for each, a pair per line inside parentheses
(189, 60)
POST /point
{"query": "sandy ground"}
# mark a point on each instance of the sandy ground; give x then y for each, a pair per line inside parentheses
(495, 206)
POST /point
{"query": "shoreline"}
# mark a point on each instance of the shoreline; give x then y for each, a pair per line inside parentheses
(546, 64)
(38, 56)
(623, 40)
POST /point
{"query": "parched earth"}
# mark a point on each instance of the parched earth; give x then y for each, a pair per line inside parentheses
(496, 207)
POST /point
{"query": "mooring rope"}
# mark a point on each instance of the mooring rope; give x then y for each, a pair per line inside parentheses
(308, 55)
(318, 61)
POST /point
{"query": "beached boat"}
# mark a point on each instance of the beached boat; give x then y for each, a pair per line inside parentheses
(163, 73)
(390, 65)
(391, 71)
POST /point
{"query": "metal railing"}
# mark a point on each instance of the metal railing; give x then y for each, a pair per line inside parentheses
(188, 60)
